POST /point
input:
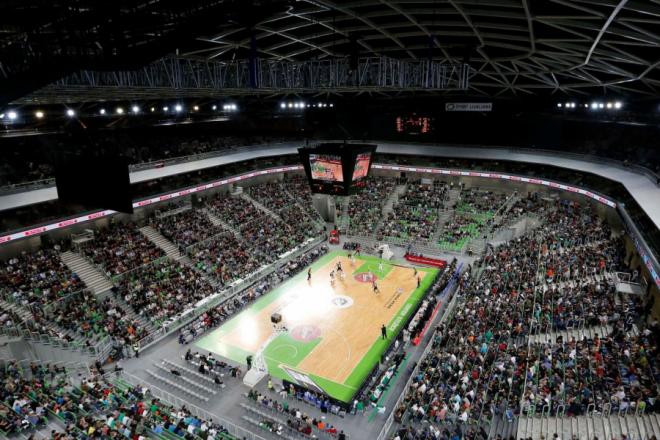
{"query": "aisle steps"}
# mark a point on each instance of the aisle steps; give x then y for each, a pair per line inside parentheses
(261, 207)
(170, 249)
(94, 279)
(215, 221)
(588, 427)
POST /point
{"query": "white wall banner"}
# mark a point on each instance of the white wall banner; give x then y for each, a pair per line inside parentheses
(468, 106)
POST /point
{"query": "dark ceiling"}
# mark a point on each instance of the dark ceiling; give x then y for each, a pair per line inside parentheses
(515, 47)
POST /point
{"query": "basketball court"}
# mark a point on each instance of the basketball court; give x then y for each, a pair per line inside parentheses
(333, 338)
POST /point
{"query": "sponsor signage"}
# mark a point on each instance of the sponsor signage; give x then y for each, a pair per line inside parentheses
(589, 194)
(99, 214)
(141, 203)
(468, 106)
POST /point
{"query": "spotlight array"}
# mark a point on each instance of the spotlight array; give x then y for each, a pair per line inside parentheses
(301, 105)
(594, 105)
(136, 109)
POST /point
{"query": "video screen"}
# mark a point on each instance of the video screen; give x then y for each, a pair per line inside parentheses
(326, 167)
(361, 166)
(413, 124)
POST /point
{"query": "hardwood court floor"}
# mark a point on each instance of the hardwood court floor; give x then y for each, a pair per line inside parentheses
(333, 337)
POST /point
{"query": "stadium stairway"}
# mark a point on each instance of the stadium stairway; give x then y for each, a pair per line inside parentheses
(393, 198)
(445, 214)
(587, 427)
(345, 220)
(215, 221)
(130, 312)
(569, 334)
(45, 346)
(443, 219)
(260, 206)
(315, 218)
(93, 278)
(502, 427)
(167, 246)
(452, 197)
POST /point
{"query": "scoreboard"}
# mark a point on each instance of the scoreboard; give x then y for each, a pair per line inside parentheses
(414, 124)
(337, 169)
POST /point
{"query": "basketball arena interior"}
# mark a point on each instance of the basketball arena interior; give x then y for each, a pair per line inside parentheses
(329, 219)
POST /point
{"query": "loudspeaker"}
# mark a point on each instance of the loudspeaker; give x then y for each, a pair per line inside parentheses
(94, 182)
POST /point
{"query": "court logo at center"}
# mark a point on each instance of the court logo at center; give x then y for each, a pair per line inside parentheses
(366, 277)
(342, 302)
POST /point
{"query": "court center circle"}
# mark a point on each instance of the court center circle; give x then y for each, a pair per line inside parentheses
(342, 301)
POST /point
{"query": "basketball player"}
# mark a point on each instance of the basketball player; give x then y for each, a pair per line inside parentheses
(309, 274)
(374, 285)
(339, 269)
(414, 271)
(419, 281)
(332, 278)
(380, 266)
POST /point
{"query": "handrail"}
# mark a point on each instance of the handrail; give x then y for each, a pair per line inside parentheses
(590, 409)
(14, 188)
(561, 410)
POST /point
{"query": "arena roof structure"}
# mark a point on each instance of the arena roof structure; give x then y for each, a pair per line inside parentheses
(491, 47)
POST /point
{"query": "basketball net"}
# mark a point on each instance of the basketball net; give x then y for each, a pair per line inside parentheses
(259, 368)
